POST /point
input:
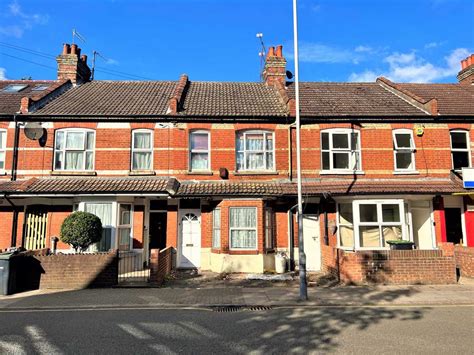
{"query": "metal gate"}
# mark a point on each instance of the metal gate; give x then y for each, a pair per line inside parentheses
(34, 236)
(133, 268)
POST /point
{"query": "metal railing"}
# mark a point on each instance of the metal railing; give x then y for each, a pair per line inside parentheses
(133, 267)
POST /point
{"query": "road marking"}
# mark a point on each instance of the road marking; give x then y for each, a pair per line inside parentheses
(40, 343)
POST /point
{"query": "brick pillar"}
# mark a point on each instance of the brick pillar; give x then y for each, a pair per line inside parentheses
(154, 265)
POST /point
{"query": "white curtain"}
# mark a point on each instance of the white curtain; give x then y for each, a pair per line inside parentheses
(141, 161)
(199, 161)
(216, 228)
(243, 218)
(74, 160)
(142, 140)
(104, 212)
(75, 140)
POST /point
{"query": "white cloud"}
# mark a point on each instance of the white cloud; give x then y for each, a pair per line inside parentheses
(23, 21)
(3, 76)
(321, 53)
(408, 67)
(363, 49)
(112, 61)
(434, 44)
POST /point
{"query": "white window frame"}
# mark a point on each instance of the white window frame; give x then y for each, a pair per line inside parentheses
(124, 226)
(269, 231)
(404, 224)
(216, 229)
(81, 206)
(265, 151)
(405, 150)
(3, 149)
(339, 225)
(244, 228)
(201, 151)
(355, 156)
(63, 151)
(142, 150)
(467, 149)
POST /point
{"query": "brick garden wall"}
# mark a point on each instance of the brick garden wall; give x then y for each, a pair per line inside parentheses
(160, 264)
(464, 257)
(390, 266)
(67, 271)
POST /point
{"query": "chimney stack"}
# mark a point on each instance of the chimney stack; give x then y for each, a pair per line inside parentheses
(274, 72)
(73, 66)
(466, 75)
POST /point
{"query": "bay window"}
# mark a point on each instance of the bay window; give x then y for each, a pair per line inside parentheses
(243, 227)
(124, 226)
(371, 223)
(142, 149)
(460, 152)
(255, 151)
(404, 150)
(340, 150)
(104, 212)
(216, 228)
(199, 151)
(3, 148)
(74, 149)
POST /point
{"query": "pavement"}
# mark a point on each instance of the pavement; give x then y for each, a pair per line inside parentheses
(243, 295)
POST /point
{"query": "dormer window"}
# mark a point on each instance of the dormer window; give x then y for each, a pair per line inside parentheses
(74, 150)
(255, 151)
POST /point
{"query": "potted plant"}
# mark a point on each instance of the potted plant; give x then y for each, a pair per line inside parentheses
(399, 244)
(81, 229)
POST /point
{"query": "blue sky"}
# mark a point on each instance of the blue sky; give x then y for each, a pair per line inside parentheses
(340, 40)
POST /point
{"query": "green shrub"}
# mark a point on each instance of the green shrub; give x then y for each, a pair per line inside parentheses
(81, 229)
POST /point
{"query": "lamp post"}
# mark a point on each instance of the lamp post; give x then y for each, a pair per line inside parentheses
(301, 254)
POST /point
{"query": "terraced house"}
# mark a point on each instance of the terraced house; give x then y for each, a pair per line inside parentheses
(208, 168)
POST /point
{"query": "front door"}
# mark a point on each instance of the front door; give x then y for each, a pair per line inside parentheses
(190, 239)
(453, 225)
(157, 230)
(312, 246)
(422, 228)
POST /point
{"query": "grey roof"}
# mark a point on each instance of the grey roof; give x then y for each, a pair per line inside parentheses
(319, 99)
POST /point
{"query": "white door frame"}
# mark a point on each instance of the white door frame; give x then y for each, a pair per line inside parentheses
(181, 213)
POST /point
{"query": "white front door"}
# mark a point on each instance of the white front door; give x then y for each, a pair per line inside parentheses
(422, 228)
(312, 246)
(189, 255)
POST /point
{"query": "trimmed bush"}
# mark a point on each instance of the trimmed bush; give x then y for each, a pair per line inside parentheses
(81, 229)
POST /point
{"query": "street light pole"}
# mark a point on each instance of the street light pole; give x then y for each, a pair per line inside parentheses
(301, 254)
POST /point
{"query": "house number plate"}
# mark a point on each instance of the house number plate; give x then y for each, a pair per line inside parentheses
(189, 245)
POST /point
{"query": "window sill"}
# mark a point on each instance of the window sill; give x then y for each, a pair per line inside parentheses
(341, 172)
(245, 173)
(76, 173)
(141, 173)
(408, 172)
(242, 252)
(205, 173)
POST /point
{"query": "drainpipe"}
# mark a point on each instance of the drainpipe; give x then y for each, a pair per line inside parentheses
(15, 150)
(14, 222)
(290, 155)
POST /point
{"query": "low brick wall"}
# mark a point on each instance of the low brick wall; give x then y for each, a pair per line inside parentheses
(390, 266)
(160, 264)
(66, 271)
(464, 257)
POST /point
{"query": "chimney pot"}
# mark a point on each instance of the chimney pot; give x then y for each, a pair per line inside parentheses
(463, 64)
(84, 58)
(271, 52)
(73, 48)
(469, 61)
(279, 51)
(66, 48)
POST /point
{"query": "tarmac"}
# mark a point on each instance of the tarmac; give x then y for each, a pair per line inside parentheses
(221, 293)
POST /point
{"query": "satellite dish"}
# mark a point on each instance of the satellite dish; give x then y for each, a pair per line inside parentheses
(33, 130)
(289, 74)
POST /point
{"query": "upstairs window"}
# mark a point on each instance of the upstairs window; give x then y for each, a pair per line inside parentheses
(460, 153)
(404, 150)
(142, 149)
(199, 151)
(340, 150)
(3, 148)
(74, 150)
(255, 151)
